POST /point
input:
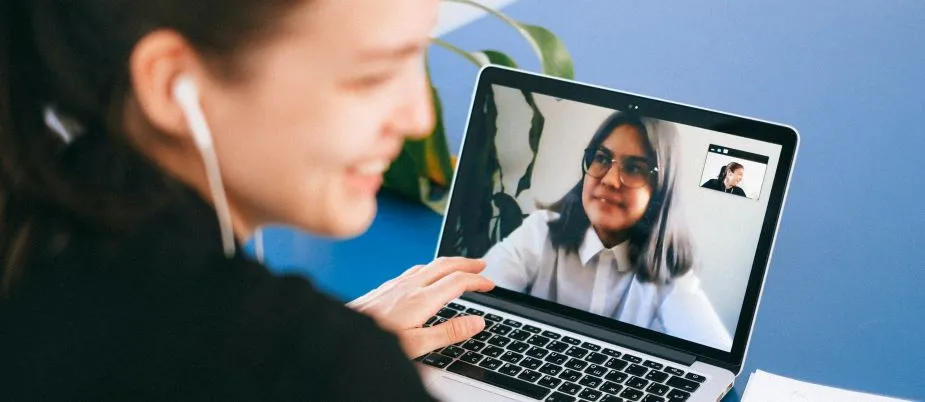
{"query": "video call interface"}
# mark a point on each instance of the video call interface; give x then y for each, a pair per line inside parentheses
(718, 202)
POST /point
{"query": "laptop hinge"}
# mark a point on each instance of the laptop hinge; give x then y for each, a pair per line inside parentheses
(592, 331)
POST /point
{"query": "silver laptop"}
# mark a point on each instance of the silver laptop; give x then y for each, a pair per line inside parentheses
(629, 238)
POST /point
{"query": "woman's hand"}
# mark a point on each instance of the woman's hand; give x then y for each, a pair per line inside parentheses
(403, 304)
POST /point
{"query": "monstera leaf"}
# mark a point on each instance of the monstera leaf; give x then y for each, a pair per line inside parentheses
(424, 169)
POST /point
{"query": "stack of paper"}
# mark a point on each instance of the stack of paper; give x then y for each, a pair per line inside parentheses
(767, 387)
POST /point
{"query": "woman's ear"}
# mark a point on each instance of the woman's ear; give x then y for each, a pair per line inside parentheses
(156, 64)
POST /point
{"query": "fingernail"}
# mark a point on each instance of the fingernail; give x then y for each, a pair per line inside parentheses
(476, 324)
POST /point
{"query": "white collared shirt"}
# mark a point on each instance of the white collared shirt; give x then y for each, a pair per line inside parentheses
(601, 280)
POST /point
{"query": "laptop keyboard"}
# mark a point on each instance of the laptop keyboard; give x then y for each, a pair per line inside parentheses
(546, 365)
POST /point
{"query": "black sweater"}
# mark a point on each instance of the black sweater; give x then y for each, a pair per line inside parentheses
(161, 314)
(718, 185)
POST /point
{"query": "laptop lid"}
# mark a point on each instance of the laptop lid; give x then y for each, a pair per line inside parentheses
(604, 210)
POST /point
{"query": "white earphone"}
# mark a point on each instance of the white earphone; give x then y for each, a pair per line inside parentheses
(186, 94)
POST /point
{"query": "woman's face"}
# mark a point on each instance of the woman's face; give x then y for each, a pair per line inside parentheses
(736, 177)
(610, 205)
(323, 110)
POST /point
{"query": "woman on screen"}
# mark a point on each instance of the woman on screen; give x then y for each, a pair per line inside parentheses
(612, 245)
(728, 179)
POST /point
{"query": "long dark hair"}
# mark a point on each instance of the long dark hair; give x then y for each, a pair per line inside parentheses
(659, 243)
(724, 170)
(71, 57)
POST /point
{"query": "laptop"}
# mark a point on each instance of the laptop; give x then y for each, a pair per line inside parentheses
(629, 238)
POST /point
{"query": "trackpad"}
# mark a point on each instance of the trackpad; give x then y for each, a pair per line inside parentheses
(448, 389)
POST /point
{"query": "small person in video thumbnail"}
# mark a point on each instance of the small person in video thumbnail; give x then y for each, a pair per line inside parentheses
(740, 172)
(728, 179)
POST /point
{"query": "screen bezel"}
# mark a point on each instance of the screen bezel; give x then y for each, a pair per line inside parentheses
(785, 136)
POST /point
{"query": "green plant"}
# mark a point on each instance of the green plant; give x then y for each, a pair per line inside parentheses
(425, 167)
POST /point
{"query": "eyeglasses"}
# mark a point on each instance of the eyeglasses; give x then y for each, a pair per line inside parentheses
(634, 171)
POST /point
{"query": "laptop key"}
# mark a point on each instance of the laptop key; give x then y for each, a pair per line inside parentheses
(570, 375)
(569, 388)
(576, 364)
(482, 336)
(676, 395)
(501, 329)
(590, 346)
(653, 398)
(590, 381)
(590, 394)
(616, 376)
(512, 357)
(499, 341)
(529, 376)
(560, 397)
(550, 369)
(657, 389)
(549, 381)
(611, 398)
(447, 313)
(656, 376)
(615, 364)
(596, 358)
(519, 335)
(537, 352)
(637, 383)
(531, 329)
(491, 363)
(682, 384)
(531, 363)
(494, 318)
(610, 387)
(674, 371)
(631, 394)
(595, 370)
(653, 365)
(510, 369)
(611, 352)
(452, 351)
(473, 311)
(695, 377)
(436, 360)
(570, 340)
(557, 346)
(471, 357)
(556, 358)
(493, 351)
(499, 380)
(577, 351)
(519, 347)
(632, 359)
(538, 340)
(456, 306)
(430, 321)
(510, 322)
(552, 335)
(474, 345)
(636, 370)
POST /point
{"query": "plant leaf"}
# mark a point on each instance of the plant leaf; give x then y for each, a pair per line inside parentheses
(403, 174)
(437, 159)
(537, 123)
(496, 57)
(555, 57)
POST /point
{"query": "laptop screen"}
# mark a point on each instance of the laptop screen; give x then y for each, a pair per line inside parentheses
(639, 220)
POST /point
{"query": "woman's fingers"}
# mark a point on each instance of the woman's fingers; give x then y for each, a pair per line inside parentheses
(418, 341)
(446, 265)
(455, 284)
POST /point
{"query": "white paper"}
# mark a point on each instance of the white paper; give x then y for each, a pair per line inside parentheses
(766, 387)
